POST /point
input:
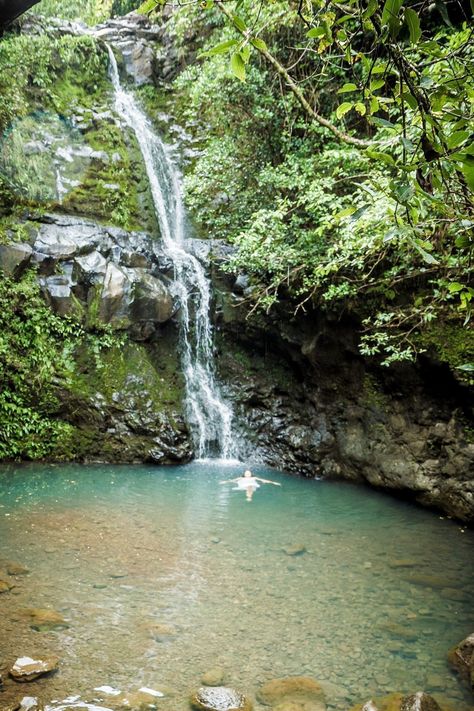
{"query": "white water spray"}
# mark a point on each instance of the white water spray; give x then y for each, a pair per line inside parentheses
(209, 416)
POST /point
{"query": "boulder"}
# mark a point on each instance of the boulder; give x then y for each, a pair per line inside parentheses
(296, 689)
(461, 658)
(14, 258)
(115, 297)
(219, 698)
(151, 300)
(28, 669)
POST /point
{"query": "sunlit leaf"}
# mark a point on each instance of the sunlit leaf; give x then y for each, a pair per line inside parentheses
(259, 44)
(148, 6)
(342, 109)
(239, 23)
(413, 22)
(378, 155)
(220, 48)
(346, 88)
(237, 66)
(316, 32)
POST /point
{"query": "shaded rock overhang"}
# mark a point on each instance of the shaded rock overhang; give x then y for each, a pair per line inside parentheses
(11, 9)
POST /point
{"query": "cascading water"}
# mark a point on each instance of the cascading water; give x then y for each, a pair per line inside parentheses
(210, 417)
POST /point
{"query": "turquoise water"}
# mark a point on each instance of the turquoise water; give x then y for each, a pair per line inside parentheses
(164, 573)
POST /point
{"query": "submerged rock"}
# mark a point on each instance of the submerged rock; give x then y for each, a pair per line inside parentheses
(5, 586)
(296, 689)
(461, 658)
(297, 549)
(219, 698)
(44, 620)
(142, 700)
(28, 669)
(162, 632)
(17, 569)
(213, 677)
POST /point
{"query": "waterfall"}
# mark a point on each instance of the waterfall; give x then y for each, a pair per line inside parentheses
(209, 416)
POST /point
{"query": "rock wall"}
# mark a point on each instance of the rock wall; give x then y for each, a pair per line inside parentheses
(309, 403)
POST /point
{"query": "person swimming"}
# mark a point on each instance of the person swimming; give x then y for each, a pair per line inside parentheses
(248, 483)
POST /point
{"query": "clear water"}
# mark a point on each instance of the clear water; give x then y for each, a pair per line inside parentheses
(208, 414)
(173, 546)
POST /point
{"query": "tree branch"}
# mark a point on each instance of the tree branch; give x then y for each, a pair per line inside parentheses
(341, 135)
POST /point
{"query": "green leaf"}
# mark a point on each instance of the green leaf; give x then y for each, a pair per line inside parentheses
(346, 88)
(148, 6)
(371, 9)
(374, 105)
(361, 109)
(342, 109)
(239, 23)
(390, 12)
(376, 84)
(237, 66)
(378, 155)
(344, 213)
(456, 138)
(468, 172)
(466, 367)
(441, 7)
(427, 257)
(316, 32)
(220, 48)
(259, 44)
(245, 53)
(413, 22)
(455, 286)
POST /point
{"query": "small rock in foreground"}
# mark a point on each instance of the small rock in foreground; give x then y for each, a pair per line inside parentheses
(28, 669)
(461, 658)
(419, 702)
(219, 698)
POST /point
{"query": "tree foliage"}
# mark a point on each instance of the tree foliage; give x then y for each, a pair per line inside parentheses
(355, 189)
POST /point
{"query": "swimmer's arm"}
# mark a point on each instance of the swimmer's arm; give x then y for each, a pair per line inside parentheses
(267, 481)
(229, 481)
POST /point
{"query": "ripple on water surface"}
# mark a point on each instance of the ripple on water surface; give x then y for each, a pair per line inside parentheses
(163, 574)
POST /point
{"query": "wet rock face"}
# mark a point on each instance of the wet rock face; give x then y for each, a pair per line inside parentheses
(220, 698)
(309, 403)
(103, 275)
(147, 53)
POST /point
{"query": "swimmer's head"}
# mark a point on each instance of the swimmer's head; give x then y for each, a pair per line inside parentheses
(247, 472)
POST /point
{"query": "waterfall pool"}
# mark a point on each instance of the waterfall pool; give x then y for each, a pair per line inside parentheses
(163, 574)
